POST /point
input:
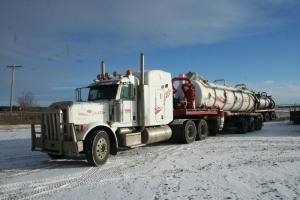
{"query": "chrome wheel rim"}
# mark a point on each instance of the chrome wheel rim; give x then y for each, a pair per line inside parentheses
(101, 149)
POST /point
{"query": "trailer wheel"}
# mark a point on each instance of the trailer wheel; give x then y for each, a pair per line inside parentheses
(190, 132)
(243, 125)
(97, 148)
(251, 124)
(202, 130)
(54, 156)
(259, 123)
(272, 115)
(267, 117)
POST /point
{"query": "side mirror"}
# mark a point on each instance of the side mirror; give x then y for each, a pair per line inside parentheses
(78, 94)
(82, 94)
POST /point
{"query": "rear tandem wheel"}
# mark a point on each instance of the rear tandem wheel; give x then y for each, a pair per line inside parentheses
(190, 131)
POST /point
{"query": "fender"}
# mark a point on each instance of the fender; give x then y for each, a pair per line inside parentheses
(110, 131)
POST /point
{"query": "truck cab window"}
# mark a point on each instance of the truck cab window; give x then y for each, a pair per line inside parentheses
(103, 92)
(125, 93)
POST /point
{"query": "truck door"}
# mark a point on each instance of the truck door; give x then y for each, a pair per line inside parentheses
(129, 107)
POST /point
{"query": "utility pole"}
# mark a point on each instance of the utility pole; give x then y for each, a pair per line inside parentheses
(12, 84)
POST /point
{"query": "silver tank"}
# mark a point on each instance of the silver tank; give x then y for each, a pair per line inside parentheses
(207, 94)
(265, 101)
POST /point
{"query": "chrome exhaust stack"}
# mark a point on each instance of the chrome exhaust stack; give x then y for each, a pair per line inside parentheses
(102, 69)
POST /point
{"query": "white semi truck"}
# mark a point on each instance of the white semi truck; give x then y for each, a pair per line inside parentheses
(136, 109)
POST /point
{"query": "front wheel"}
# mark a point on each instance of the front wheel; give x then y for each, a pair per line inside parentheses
(97, 148)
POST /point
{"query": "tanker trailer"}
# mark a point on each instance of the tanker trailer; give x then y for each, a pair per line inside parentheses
(266, 106)
(238, 103)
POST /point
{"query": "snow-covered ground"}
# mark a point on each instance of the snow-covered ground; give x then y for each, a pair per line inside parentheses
(257, 165)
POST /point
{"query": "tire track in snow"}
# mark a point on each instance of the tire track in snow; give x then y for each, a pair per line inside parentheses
(98, 175)
(19, 158)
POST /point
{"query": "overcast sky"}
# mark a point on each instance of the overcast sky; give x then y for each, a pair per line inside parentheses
(60, 43)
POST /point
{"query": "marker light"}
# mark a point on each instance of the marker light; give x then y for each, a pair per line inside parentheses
(128, 72)
(82, 127)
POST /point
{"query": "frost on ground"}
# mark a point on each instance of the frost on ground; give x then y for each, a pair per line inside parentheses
(257, 165)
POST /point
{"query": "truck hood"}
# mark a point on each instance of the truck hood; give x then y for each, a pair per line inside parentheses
(84, 112)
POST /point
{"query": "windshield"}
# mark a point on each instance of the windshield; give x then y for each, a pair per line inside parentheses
(103, 92)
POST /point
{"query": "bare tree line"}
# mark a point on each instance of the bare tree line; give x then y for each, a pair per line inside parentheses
(26, 101)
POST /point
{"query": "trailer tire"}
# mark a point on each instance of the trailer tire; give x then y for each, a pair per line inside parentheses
(190, 132)
(251, 124)
(202, 130)
(272, 116)
(266, 117)
(243, 125)
(97, 148)
(54, 156)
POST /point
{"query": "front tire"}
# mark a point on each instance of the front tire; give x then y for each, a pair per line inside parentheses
(97, 148)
